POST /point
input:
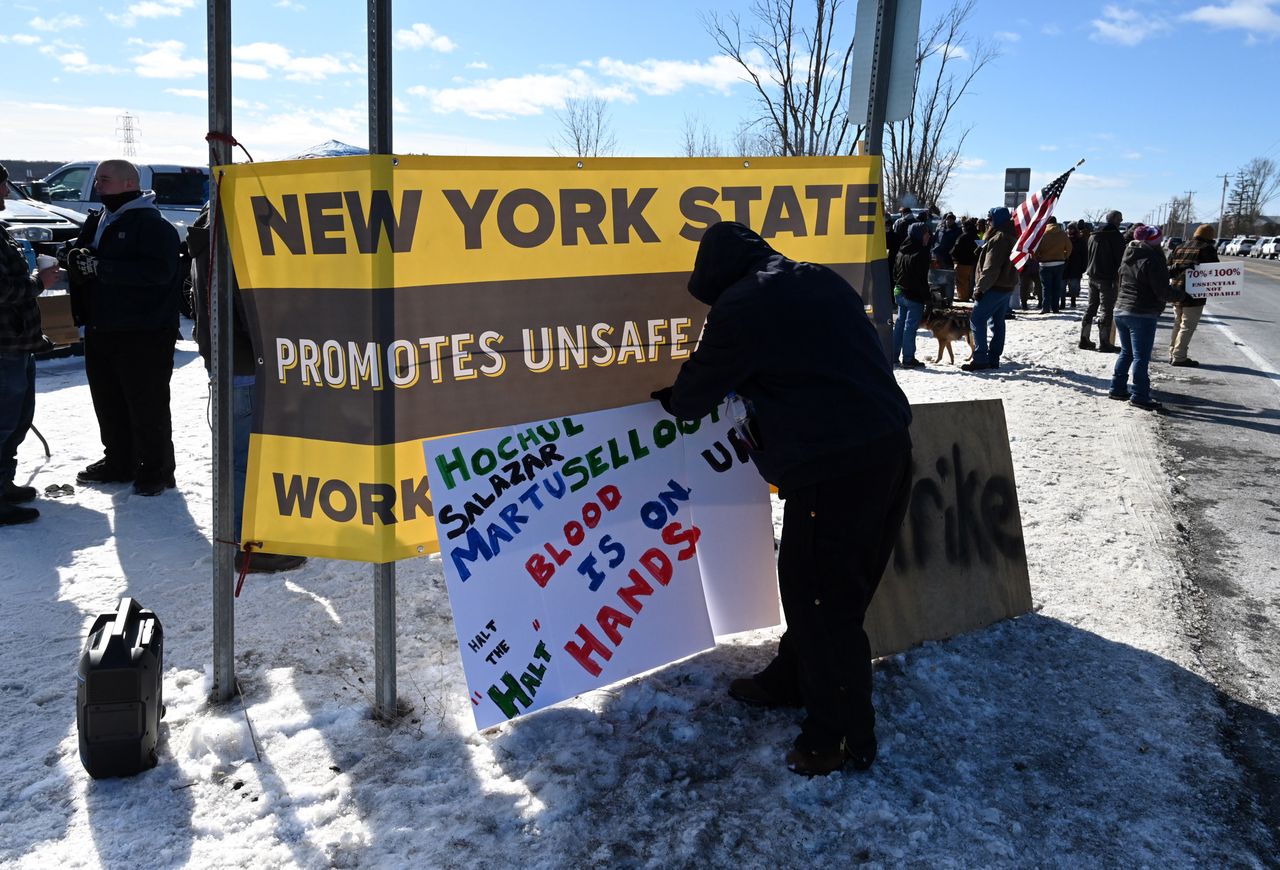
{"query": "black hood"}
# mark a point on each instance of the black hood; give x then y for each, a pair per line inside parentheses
(728, 251)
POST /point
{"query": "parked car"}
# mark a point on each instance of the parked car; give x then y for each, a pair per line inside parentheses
(181, 191)
(1240, 246)
(46, 227)
(1271, 250)
(1260, 245)
(1220, 245)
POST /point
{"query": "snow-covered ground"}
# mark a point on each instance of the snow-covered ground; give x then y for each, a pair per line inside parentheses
(1081, 734)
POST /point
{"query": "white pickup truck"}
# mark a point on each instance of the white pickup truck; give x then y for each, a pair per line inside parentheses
(181, 191)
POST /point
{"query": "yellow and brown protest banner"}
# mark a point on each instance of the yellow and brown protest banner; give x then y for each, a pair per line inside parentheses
(395, 299)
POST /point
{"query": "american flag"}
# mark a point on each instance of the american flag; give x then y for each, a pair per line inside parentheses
(1030, 218)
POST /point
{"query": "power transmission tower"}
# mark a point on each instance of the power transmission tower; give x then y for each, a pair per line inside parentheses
(127, 129)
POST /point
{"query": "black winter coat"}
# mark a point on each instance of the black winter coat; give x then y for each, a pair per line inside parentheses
(198, 238)
(1079, 257)
(1144, 281)
(137, 286)
(911, 271)
(965, 251)
(794, 340)
(1106, 249)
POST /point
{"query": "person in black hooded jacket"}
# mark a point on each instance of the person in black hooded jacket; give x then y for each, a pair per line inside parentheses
(911, 292)
(794, 341)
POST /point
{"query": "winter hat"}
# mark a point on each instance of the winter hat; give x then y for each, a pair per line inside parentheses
(1114, 217)
(1204, 231)
(917, 230)
(998, 216)
(1150, 235)
(1051, 220)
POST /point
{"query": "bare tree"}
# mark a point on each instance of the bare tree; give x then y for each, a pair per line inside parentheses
(923, 150)
(585, 129)
(1257, 183)
(697, 140)
(799, 66)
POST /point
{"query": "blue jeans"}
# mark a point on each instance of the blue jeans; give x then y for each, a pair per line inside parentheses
(241, 428)
(17, 407)
(1053, 288)
(1137, 335)
(904, 328)
(990, 308)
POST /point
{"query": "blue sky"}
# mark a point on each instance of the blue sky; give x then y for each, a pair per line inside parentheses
(1158, 97)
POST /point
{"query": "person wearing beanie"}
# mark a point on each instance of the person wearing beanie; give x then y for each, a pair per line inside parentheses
(20, 337)
(911, 292)
(1191, 254)
(1078, 233)
(1106, 249)
(965, 255)
(1144, 289)
(995, 281)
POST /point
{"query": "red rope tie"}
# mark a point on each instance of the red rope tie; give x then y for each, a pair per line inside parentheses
(227, 138)
(249, 547)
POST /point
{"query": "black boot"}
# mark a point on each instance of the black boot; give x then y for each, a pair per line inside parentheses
(12, 514)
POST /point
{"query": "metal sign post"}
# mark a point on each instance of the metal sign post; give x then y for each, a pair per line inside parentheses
(384, 575)
(882, 90)
(220, 328)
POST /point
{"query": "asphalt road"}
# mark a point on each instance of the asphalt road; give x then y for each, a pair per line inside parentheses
(1223, 419)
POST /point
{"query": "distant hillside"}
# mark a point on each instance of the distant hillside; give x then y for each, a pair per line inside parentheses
(26, 170)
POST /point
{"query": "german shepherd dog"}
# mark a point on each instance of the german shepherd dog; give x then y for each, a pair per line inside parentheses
(948, 325)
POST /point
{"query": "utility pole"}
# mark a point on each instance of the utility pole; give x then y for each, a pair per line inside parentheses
(1186, 216)
(1222, 209)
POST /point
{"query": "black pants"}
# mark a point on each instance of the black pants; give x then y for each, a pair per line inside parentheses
(128, 375)
(1102, 297)
(837, 536)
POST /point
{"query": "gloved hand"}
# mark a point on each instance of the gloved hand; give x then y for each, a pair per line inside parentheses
(977, 296)
(82, 264)
(663, 396)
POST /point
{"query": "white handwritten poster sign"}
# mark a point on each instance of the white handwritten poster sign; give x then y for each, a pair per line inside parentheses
(574, 550)
(1215, 280)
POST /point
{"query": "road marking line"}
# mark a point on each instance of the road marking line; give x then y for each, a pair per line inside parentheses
(1263, 364)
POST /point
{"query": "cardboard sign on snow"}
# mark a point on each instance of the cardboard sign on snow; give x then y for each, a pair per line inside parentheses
(1215, 280)
(576, 550)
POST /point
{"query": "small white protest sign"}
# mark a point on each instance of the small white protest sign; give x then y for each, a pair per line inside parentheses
(575, 550)
(1215, 280)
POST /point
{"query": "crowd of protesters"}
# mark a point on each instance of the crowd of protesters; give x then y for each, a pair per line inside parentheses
(1130, 281)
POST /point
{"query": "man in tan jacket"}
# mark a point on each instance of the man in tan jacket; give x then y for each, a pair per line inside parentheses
(1052, 252)
(995, 281)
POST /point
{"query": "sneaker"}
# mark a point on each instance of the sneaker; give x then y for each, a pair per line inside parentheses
(1119, 397)
(808, 762)
(1086, 344)
(153, 485)
(268, 563)
(1187, 363)
(103, 472)
(1146, 404)
(975, 366)
(752, 692)
(14, 494)
(912, 364)
(12, 515)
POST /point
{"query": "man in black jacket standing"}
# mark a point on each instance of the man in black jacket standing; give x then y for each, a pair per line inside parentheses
(125, 292)
(829, 426)
(1106, 249)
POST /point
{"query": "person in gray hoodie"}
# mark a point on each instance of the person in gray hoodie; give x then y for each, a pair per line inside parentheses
(125, 292)
(1144, 289)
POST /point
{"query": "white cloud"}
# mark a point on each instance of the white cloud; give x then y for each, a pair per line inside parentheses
(968, 163)
(258, 60)
(1048, 147)
(1098, 182)
(201, 93)
(1051, 30)
(1007, 36)
(290, 4)
(57, 22)
(421, 35)
(477, 64)
(166, 61)
(20, 39)
(504, 98)
(151, 9)
(1132, 155)
(1125, 26)
(74, 59)
(1259, 17)
(658, 77)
